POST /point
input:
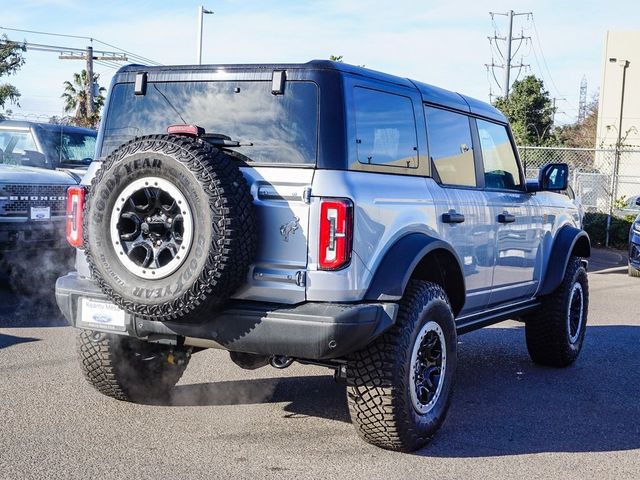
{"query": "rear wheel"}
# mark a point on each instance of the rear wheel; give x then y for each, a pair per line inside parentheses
(399, 387)
(555, 333)
(129, 369)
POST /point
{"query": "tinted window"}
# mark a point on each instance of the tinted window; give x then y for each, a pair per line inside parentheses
(500, 165)
(281, 128)
(385, 129)
(69, 148)
(451, 147)
(15, 146)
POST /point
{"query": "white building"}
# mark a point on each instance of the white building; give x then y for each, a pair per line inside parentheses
(621, 69)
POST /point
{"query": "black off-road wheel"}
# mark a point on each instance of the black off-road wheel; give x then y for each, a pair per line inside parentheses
(169, 227)
(128, 369)
(399, 387)
(555, 332)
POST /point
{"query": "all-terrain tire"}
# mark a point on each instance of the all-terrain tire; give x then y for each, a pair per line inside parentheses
(555, 332)
(633, 272)
(224, 231)
(128, 369)
(380, 381)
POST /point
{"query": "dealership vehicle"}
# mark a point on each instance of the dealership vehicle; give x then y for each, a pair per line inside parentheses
(634, 245)
(46, 145)
(33, 248)
(320, 213)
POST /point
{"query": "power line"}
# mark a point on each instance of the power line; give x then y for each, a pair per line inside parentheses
(134, 56)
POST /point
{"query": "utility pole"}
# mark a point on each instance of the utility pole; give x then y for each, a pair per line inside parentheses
(90, 78)
(508, 57)
(616, 166)
(201, 13)
(89, 56)
(507, 69)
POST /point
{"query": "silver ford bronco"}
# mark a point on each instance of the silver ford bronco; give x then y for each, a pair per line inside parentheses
(320, 213)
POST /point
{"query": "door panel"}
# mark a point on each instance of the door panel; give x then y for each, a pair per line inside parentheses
(473, 240)
(518, 244)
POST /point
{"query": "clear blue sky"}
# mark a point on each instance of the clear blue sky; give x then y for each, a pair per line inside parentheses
(439, 42)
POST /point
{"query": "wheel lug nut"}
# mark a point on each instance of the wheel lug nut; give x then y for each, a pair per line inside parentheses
(148, 219)
(159, 242)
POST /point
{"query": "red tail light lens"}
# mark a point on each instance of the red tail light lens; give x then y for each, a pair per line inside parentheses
(75, 205)
(336, 227)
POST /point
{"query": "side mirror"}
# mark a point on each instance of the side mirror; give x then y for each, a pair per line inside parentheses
(554, 177)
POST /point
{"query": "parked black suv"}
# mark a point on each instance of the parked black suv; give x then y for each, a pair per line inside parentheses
(38, 163)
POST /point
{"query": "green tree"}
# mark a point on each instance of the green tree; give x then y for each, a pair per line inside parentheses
(76, 100)
(11, 59)
(581, 134)
(530, 111)
(336, 58)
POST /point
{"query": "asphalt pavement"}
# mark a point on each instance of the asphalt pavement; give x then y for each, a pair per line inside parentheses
(508, 419)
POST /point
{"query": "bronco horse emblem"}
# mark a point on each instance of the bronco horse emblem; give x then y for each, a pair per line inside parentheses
(289, 228)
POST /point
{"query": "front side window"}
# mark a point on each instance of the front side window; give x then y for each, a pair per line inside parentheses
(15, 146)
(385, 129)
(451, 147)
(500, 165)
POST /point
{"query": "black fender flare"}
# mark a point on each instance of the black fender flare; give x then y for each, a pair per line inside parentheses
(392, 275)
(568, 240)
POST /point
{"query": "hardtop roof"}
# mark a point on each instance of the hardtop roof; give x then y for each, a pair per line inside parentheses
(430, 93)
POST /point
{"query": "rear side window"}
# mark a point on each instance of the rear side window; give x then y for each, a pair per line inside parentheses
(451, 147)
(385, 129)
(500, 165)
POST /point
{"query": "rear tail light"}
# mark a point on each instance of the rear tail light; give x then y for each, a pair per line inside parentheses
(336, 227)
(75, 205)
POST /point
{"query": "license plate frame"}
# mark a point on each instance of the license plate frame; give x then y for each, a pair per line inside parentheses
(101, 315)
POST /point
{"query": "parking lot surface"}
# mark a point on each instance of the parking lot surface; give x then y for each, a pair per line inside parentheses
(508, 419)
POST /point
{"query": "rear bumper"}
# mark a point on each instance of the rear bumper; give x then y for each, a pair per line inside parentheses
(314, 331)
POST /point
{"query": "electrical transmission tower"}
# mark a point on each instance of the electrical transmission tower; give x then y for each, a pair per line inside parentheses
(582, 105)
(507, 59)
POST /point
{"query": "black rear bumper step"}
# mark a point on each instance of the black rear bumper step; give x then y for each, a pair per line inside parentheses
(316, 331)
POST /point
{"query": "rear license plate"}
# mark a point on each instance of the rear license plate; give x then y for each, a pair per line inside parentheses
(101, 315)
(40, 213)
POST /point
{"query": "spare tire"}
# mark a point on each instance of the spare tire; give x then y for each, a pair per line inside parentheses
(169, 227)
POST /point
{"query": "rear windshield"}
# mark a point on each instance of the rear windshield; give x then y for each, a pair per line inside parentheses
(69, 148)
(279, 128)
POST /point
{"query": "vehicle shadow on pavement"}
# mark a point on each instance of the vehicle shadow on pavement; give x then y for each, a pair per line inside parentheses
(316, 396)
(506, 405)
(503, 403)
(9, 340)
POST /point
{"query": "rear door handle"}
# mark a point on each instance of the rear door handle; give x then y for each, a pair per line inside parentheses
(452, 217)
(506, 218)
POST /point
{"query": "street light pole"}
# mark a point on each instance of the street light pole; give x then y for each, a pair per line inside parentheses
(201, 13)
(616, 166)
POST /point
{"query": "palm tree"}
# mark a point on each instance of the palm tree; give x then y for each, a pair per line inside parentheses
(76, 100)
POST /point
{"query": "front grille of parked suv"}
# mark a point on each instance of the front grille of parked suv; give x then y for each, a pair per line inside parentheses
(15, 200)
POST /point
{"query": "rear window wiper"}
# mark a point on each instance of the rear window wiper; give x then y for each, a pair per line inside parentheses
(221, 140)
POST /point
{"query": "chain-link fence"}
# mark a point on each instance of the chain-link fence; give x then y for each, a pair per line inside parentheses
(603, 180)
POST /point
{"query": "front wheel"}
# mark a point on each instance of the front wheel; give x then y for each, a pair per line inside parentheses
(555, 333)
(128, 369)
(633, 272)
(399, 387)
